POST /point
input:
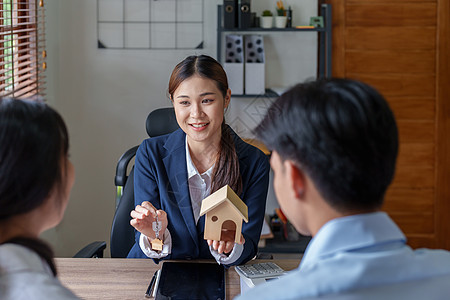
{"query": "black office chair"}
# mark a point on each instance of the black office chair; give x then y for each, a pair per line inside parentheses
(159, 122)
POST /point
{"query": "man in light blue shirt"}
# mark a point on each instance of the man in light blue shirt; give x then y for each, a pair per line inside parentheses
(335, 144)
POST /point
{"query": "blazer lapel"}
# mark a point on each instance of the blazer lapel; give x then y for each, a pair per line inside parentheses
(175, 164)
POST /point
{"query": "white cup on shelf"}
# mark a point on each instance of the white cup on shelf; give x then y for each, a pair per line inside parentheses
(280, 21)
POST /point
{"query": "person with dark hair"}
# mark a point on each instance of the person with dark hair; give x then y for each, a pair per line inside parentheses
(175, 172)
(36, 177)
(335, 144)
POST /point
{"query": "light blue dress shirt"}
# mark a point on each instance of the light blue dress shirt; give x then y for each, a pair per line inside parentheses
(362, 257)
(25, 275)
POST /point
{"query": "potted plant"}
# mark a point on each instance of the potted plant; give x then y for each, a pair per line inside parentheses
(280, 19)
(266, 19)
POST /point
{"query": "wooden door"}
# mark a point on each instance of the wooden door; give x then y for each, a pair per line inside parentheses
(402, 48)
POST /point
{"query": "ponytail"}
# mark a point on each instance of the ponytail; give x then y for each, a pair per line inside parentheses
(226, 171)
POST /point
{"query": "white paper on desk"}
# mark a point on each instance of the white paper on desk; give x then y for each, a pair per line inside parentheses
(248, 283)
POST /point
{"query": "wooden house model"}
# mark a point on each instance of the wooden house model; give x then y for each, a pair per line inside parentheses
(224, 214)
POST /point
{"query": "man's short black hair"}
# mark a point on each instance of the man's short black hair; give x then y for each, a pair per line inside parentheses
(342, 133)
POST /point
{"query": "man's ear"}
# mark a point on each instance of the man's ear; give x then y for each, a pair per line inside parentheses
(297, 179)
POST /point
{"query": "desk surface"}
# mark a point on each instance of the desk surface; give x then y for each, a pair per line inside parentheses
(107, 278)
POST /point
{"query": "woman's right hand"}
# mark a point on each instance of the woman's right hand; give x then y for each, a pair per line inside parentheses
(143, 217)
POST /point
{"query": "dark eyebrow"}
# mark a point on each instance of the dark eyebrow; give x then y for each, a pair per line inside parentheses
(207, 94)
(201, 95)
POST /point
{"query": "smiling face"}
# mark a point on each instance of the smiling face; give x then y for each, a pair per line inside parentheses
(199, 109)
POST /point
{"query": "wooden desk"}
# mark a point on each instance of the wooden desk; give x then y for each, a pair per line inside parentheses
(114, 278)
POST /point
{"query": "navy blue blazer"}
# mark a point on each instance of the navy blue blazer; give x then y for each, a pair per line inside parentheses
(160, 176)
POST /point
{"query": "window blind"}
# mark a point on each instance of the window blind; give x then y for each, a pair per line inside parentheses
(22, 48)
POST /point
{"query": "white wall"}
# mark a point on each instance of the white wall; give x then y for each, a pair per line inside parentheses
(105, 96)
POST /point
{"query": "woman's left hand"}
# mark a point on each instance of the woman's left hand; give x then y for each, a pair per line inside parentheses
(224, 246)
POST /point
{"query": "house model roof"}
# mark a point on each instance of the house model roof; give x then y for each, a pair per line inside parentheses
(222, 195)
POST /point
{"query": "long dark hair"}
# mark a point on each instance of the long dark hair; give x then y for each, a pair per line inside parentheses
(226, 170)
(33, 139)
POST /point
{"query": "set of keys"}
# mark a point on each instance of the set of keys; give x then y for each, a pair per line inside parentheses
(157, 243)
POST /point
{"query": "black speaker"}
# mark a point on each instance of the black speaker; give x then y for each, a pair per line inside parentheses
(230, 13)
(244, 14)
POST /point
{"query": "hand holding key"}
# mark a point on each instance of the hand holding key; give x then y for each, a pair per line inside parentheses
(143, 217)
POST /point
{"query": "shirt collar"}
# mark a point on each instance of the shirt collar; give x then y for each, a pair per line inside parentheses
(15, 258)
(352, 233)
(191, 169)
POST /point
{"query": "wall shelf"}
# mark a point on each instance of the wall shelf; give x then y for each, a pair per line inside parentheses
(325, 42)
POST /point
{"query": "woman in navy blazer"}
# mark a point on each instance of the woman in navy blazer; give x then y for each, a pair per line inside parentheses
(174, 172)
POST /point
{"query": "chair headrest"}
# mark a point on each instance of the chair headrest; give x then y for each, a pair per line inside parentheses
(161, 121)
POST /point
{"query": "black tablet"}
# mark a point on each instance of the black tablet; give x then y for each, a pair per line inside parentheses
(184, 280)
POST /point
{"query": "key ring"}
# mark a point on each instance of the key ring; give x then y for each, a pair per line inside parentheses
(157, 243)
(156, 226)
